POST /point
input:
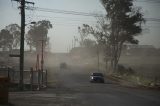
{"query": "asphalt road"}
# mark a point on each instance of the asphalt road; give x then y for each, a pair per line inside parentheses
(73, 88)
(108, 94)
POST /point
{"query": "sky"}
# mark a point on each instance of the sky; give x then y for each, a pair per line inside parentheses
(65, 26)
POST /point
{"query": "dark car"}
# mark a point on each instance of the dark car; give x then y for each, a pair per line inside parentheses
(97, 77)
(63, 65)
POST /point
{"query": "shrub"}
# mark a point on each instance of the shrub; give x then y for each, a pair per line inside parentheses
(125, 71)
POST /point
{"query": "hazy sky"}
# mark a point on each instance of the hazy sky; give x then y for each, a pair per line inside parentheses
(65, 26)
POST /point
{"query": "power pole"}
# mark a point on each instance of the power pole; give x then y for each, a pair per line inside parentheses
(21, 66)
(22, 43)
(72, 44)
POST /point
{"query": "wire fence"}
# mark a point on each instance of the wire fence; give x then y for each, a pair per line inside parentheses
(32, 79)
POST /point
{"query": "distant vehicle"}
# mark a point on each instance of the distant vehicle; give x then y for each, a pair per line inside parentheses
(97, 77)
(63, 65)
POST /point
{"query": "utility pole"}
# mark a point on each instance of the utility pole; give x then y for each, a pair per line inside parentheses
(22, 43)
(72, 44)
(21, 66)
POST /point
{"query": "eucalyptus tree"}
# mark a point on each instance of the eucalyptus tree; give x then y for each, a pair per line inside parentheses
(10, 37)
(15, 30)
(6, 40)
(37, 34)
(121, 24)
(125, 22)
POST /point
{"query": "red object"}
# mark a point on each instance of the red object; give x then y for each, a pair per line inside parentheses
(4, 85)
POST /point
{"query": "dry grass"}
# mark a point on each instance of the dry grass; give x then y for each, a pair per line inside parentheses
(143, 66)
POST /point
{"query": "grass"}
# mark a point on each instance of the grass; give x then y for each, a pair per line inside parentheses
(146, 68)
(136, 80)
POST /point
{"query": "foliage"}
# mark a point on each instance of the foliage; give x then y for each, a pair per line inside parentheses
(15, 30)
(37, 33)
(121, 24)
(10, 37)
(83, 35)
(125, 71)
(84, 31)
(125, 23)
(89, 43)
(6, 39)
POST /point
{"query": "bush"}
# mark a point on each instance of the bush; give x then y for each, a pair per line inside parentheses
(125, 71)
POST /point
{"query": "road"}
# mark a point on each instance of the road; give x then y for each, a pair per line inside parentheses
(108, 94)
(74, 89)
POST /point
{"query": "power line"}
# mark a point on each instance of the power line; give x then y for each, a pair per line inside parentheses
(76, 13)
(60, 17)
(153, 19)
(78, 19)
(64, 11)
(65, 18)
(82, 20)
(149, 1)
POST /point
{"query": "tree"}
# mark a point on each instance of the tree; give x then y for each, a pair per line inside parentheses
(38, 33)
(10, 37)
(121, 25)
(15, 30)
(125, 23)
(6, 39)
(85, 30)
(101, 33)
(89, 43)
(83, 34)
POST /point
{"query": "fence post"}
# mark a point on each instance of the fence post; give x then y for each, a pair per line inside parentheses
(46, 78)
(42, 80)
(8, 72)
(31, 78)
(38, 79)
(13, 74)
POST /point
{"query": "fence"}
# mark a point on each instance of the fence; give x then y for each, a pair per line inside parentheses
(31, 78)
